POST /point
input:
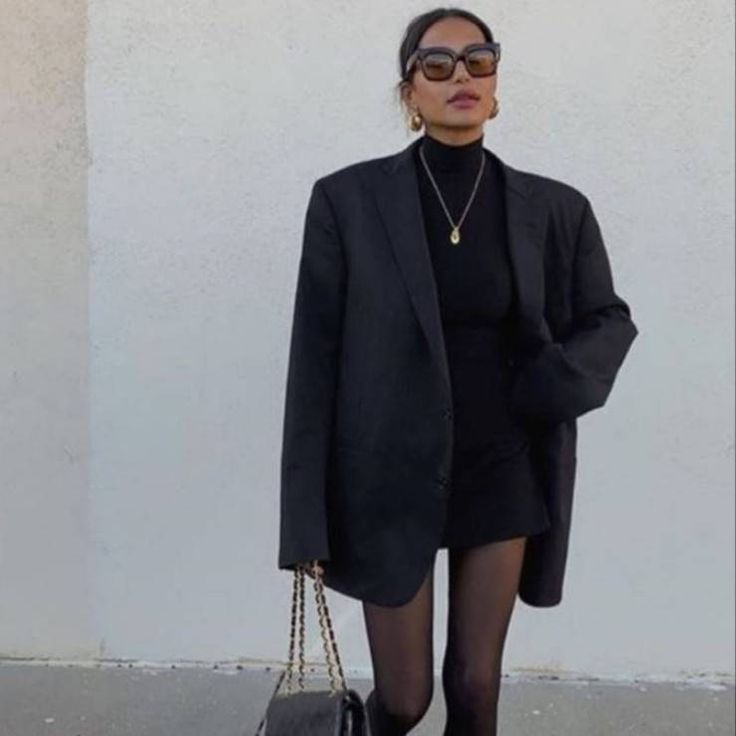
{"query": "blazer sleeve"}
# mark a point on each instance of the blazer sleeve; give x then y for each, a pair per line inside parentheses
(568, 378)
(310, 386)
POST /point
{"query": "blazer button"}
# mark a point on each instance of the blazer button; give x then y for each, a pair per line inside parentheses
(447, 413)
(442, 484)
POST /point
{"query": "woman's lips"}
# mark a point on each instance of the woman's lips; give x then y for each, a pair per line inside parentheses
(464, 102)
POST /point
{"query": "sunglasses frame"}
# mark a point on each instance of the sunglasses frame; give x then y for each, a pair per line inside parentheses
(420, 54)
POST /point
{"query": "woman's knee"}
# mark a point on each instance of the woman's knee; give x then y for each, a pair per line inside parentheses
(472, 689)
(406, 706)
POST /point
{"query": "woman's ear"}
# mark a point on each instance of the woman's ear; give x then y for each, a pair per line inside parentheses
(406, 95)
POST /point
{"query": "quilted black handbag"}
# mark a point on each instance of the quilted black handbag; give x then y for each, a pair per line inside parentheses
(338, 711)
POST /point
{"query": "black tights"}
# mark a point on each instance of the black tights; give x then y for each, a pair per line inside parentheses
(483, 582)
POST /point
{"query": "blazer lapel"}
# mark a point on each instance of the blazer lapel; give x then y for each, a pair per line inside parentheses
(397, 197)
(526, 219)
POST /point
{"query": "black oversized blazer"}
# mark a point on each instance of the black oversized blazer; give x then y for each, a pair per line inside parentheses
(368, 430)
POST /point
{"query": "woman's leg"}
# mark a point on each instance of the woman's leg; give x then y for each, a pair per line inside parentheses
(400, 640)
(483, 583)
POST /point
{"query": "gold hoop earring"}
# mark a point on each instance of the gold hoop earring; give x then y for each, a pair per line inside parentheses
(416, 121)
(496, 108)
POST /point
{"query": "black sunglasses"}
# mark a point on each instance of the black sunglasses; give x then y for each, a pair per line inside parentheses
(439, 62)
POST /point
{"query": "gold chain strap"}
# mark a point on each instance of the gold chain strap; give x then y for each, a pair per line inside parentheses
(328, 636)
(334, 665)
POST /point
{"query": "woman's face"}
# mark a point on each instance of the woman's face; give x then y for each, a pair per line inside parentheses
(453, 123)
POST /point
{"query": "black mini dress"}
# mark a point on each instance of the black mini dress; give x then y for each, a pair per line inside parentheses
(494, 493)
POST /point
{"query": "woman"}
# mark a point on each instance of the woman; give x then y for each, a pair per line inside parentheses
(453, 318)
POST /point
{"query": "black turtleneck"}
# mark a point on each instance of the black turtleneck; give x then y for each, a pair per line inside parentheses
(473, 277)
(495, 493)
(475, 290)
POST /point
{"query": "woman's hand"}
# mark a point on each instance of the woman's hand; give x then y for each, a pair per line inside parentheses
(308, 568)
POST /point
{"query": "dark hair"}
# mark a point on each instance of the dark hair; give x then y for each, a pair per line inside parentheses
(416, 29)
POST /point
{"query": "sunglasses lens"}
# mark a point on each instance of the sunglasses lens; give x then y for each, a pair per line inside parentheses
(437, 66)
(481, 63)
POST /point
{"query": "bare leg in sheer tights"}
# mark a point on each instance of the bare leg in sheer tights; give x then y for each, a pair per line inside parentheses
(400, 640)
(483, 582)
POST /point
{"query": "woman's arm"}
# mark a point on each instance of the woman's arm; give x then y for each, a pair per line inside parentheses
(310, 388)
(569, 378)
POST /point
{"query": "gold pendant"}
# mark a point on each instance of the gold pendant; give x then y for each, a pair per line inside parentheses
(455, 235)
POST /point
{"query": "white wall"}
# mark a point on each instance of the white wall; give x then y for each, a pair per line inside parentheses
(206, 124)
(46, 583)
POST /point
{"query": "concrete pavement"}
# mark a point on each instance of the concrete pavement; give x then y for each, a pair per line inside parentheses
(38, 699)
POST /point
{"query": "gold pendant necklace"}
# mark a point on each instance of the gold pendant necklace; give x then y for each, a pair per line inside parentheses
(455, 232)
